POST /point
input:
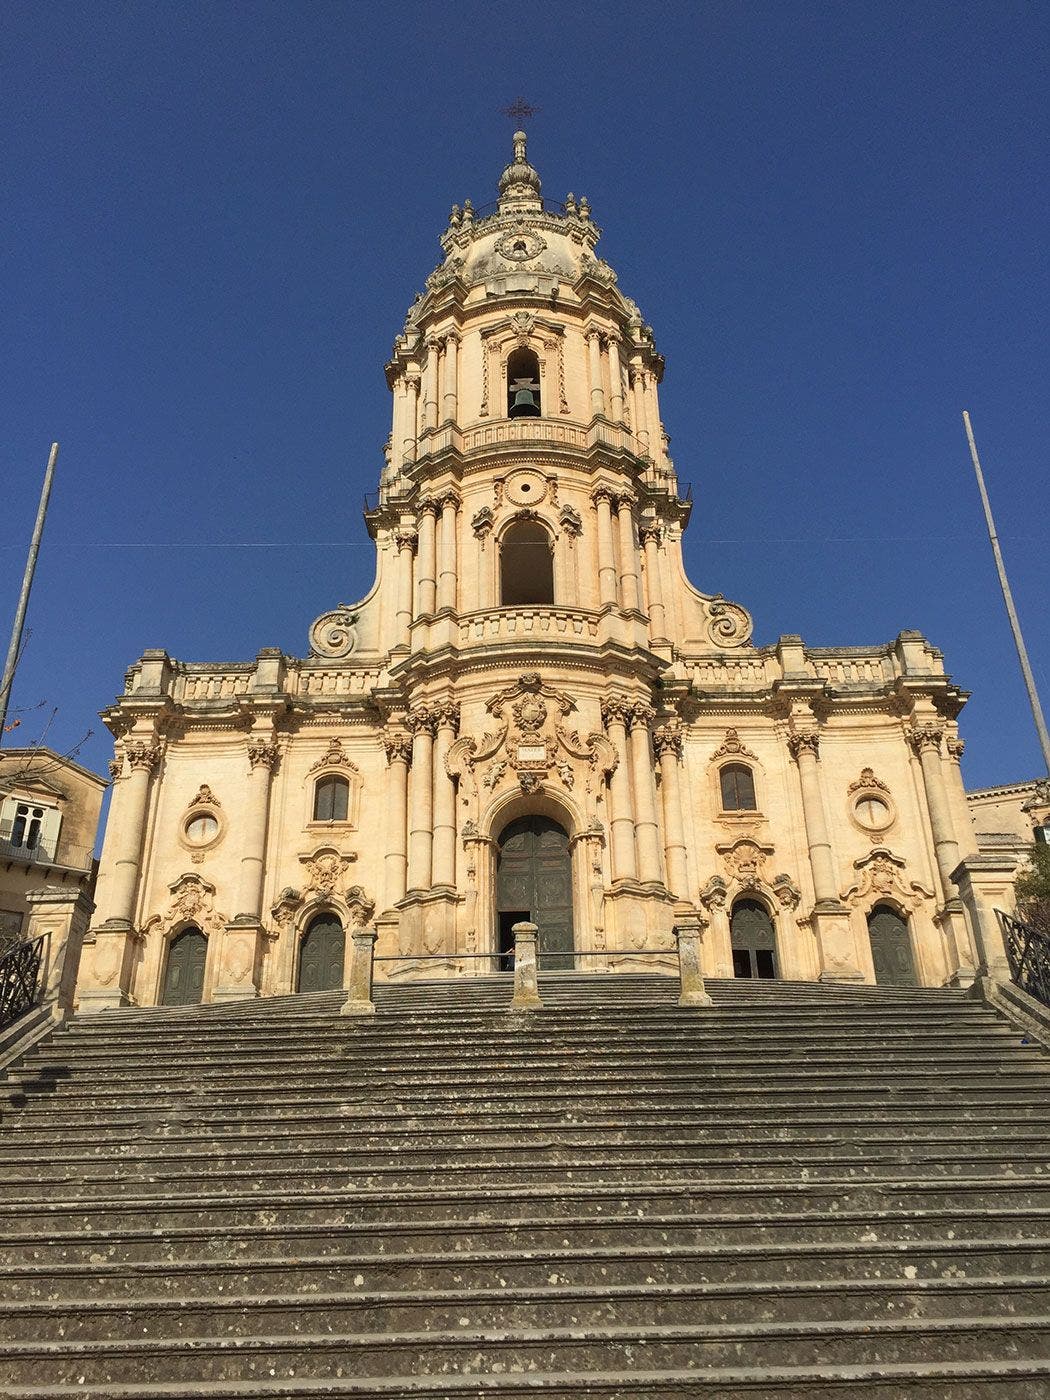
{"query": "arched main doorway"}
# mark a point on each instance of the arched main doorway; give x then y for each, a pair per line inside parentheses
(891, 948)
(321, 955)
(184, 974)
(534, 884)
(754, 940)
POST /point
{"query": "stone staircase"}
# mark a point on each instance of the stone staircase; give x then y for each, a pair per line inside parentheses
(803, 1191)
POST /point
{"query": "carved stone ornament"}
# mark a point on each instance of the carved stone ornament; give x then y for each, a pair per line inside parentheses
(728, 624)
(732, 747)
(521, 246)
(530, 713)
(284, 911)
(325, 870)
(786, 891)
(668, 739)
(926, 736)
(745, 861)
(334, 757)
(334, 634)
(956, 747)
(192, 901)
(398, 746)
(481, 523)
(571, 522)
(142, 755)
(360, 906)
(715, 894)
(806, 741)
(205, 798)
(867, 782)
(881, 875)
(262, 753)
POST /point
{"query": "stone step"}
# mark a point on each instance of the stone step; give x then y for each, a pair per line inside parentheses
(923, 1380)
(767, 1262)
(855, 1301)
(478, 1199)
(184, 1136)
(177, 1154)
(275, 1239)
(469, 1352)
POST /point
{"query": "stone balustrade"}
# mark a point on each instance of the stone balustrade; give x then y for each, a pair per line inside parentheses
(542, 624)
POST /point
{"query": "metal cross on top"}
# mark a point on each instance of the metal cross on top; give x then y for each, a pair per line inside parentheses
(520, 111)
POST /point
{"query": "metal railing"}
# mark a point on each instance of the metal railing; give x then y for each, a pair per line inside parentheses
(1028, 953)
(20, 979)
(45, 850)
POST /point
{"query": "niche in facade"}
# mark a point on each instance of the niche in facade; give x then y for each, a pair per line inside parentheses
(526, 565)
(523, 384)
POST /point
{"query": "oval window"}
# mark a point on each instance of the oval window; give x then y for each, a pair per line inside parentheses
(201, 828)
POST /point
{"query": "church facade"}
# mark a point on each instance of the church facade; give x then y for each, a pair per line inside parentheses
(533, 714)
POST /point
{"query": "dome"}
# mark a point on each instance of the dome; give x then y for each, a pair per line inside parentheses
(519, 180)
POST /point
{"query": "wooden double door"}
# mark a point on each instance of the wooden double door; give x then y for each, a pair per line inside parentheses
(184, 973)
(534, 884)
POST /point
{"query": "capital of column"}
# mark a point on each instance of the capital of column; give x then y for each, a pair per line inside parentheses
(406, 539)
(140, 754)
(427, 506)
(615, 711)
(262, 753)
(651, 534)
(116, 767)
(926, 736)
(446, 715)
(603, 493)
(806, 741)
(450, 338)
(422, 720)
(433, 343)
(956, 747)
(448, 498)
(414, 379)
(669, 741)
(398, 746)
(640, 715)
(594, 334)
(626, 498)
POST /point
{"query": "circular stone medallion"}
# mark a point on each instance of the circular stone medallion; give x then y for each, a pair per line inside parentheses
(520, 247)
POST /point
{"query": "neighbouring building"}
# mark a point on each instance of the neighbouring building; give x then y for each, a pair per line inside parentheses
(49, 811)
(533, 713)
(1011, 816)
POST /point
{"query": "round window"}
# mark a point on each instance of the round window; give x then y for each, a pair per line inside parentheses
(872, 812)
(201, 828)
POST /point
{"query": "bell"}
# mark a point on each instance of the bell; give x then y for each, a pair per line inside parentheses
(525, 402)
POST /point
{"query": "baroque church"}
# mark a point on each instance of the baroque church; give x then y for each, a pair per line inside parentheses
(533, 715)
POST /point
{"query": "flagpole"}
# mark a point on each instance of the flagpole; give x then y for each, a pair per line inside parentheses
(1008, 599)
(23, 597)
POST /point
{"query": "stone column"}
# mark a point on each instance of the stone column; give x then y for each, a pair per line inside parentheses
(406, 544)
(526, 986)
(926, 739)
(831, 922)
(621, 823)
(362, 961)
(252, 819)
(652, 413)
(398, 747)
(444, 811)
(615, 379)
(602, 498)
(421, 801)
(451, 377)
(447, 577)
(985, 884)
(646, 828)
(426, 570)
(668, 745)
(61, 915)
(409, 421)
(651, 536)
(430, 385)
(690, 976)
(640, 412)
(630, 596)
(594, 352)
(397, 429)
(142, 757)
(804, 749)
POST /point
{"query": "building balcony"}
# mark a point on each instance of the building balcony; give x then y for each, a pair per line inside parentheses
(45, 851)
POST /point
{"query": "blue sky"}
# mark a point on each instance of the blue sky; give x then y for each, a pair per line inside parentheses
(834, 215)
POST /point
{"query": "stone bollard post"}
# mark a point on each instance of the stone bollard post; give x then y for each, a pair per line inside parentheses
(526, 987)
(694, 993)
(362, 961)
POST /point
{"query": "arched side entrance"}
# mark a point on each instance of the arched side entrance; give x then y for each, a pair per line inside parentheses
(891, 948)
(184, 973)
(534, 884)
(754, 940)
(321, 955)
